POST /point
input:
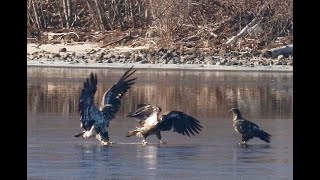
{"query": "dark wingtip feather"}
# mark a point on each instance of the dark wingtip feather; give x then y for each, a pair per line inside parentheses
(189, 129)
(117, 91)
(186, 131)
(127, 74)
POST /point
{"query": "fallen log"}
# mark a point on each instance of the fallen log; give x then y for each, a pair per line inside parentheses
(275, 52)
(244, 31)
(125, 39)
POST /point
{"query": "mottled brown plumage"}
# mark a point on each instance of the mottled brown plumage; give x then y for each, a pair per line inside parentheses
(152, 122)
(247, 129)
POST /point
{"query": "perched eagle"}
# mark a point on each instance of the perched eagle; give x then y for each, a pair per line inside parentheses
(247, 128)
(95, 121)
(153, 123)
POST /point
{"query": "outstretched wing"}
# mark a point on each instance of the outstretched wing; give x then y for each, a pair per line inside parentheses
(111, 100)
(142, 112)
(180, 122)
(86, 101)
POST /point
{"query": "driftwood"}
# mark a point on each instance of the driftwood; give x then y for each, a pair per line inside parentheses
(125, 39)
(101, 38)
(52, 36)
(244, 31)
(284, 50)
(190, 38)
(248, 28)
(186, 44)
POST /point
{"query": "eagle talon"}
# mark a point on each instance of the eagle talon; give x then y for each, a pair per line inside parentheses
(106, 143)
(242, 143)
(144, 142)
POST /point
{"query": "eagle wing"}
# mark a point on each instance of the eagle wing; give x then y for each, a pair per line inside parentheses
(142, 112)
(250, 129)
(86, 101)
(111, 100)
(180, 122)
(245, 126)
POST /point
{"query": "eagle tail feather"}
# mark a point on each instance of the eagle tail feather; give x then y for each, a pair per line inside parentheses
(264, 136)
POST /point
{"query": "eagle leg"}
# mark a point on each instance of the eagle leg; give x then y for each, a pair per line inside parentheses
(144, 142)
(245, 138)
(89, 134)
(159, 137)
(105, 138)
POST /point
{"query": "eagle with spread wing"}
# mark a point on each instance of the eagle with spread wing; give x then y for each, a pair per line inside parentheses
(247, 129)
(152, 122)
(94, 121)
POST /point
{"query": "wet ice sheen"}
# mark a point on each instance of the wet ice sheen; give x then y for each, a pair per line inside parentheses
(265, 98)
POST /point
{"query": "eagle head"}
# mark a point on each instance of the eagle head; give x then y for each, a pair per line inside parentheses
(157, 109)
(236, 112)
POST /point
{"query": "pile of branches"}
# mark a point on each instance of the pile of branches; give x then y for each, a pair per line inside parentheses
(218, 24)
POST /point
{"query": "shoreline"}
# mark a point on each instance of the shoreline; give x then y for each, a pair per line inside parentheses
(275, 68)
(90, 55)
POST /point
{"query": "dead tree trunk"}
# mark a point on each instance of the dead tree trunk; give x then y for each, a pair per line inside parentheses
(29, 11)
(36, 16)
(67, 11)
(92, 14)
(69, 8)
(118, 8)
(101, 26)
(249, 26)
(43, 17)
(131, 7)
(152, 10)
(59, 11)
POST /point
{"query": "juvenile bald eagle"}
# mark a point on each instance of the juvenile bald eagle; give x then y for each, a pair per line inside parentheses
(153, 123)
(94, 121)
(247, 129)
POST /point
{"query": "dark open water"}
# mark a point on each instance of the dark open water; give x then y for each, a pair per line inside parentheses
(264, 98)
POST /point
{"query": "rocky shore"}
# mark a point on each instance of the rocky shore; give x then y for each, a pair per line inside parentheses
(91, 55)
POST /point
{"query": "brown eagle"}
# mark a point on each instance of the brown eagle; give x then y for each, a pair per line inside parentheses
(247, 129)
(153, 123)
